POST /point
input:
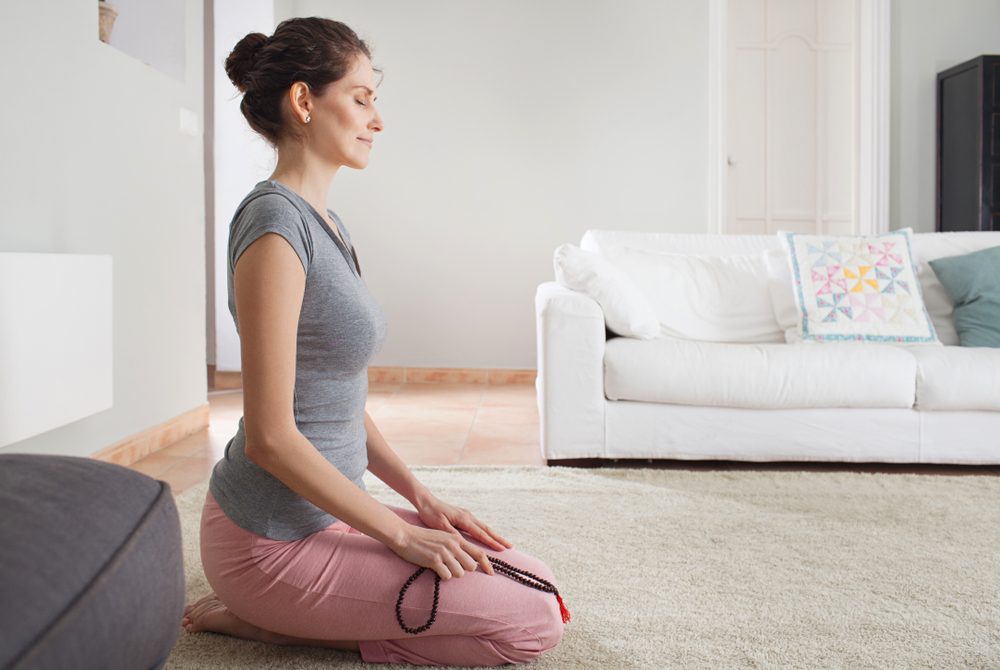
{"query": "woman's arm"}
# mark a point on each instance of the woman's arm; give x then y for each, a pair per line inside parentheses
(385, 464)
(269, 284)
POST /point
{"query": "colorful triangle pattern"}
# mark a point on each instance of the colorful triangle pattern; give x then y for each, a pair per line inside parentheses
(855, 285)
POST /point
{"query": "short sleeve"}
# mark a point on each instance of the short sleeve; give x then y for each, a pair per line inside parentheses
(269, 213)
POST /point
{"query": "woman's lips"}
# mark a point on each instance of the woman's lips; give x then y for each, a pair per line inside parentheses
(368, 142)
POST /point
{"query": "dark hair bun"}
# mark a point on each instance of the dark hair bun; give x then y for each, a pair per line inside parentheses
(241, 60)
(312, 50)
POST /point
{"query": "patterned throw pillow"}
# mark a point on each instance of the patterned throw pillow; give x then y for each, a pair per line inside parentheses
(857, 288)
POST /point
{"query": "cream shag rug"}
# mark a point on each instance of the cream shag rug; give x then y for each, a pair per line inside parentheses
(717, 569)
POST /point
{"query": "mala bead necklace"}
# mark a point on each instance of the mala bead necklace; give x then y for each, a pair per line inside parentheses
(499, 566)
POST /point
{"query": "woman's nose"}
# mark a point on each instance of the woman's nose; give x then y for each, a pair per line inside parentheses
(376, 124)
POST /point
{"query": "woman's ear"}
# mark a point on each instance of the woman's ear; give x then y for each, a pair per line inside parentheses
(300, 99)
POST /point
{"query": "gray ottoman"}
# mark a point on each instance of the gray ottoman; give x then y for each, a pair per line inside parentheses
(91, 568)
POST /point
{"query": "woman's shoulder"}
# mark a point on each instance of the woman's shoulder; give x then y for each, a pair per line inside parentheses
(267, 209)
(268, 201)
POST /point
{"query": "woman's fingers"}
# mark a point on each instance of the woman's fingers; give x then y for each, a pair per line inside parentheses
(468, 558)
(454, 566)
(496, 537)
(457, 558)
(500, 542)
(461, 556)
(481, 532)
(449, 567)
(485, 534)
(468, 522)
(480, 557)
(467, 555)
(443, 571)
(484, 560)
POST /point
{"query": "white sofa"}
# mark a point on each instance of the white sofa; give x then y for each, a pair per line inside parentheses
(608, 397)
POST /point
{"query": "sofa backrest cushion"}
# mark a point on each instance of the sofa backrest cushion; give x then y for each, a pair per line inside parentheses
(679, 243)
(626, 311)
(926, 247)
(705, 298)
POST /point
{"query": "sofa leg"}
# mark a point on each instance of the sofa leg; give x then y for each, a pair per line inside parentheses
(578, 462)
(609, 462)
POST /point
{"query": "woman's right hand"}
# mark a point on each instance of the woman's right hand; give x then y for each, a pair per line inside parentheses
(447, 554)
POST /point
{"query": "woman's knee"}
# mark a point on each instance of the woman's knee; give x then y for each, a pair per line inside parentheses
(550, 631)
(535, 640)
(541, 632)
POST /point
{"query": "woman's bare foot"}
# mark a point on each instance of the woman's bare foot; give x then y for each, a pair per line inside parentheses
(210, 614)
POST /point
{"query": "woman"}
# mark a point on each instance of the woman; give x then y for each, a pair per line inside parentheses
(296, 550)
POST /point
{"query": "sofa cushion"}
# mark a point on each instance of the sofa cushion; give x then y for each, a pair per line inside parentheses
(957, 378)
(857, 287)
(763, 376)
(699, 297)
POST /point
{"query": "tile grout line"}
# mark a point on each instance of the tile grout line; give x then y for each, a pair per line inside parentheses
(465, 442)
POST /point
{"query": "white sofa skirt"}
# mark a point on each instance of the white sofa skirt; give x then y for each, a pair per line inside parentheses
(656, 430)
(641, 430)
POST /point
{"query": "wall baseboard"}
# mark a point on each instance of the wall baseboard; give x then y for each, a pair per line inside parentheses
(405, 375)
(218, 381)
(137, 447)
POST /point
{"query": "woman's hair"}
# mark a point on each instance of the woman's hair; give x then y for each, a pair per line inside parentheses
(313, 50)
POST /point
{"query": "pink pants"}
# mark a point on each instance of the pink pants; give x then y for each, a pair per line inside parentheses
(340, 584)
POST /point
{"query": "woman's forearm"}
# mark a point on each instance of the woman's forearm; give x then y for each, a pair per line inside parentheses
(297, 464)
(386, 464)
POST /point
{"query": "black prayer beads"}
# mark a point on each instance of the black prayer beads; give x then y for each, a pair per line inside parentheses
(499, 566)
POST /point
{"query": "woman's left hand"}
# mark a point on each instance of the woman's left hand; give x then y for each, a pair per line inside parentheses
(439, 515)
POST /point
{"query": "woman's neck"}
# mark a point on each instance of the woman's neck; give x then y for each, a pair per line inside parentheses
(305, 175)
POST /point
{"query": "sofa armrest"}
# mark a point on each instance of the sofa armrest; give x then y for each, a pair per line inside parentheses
(570, 382)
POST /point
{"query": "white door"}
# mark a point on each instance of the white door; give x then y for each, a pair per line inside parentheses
(790, 101)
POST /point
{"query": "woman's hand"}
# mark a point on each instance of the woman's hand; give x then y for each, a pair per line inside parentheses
(447, 554)
(438, 514)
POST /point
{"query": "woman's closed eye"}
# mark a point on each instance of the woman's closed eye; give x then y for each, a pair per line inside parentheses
(361, 102)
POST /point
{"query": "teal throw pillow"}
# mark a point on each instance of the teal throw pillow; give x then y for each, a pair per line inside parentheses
(972, 281)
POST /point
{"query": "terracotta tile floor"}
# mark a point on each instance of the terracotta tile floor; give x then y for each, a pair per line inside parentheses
(426, 424)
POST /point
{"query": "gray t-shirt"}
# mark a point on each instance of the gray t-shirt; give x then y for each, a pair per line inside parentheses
(340, 328)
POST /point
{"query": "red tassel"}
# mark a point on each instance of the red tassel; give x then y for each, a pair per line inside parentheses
(562, 609)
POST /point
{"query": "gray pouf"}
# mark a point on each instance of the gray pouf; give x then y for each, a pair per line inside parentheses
(91, 566)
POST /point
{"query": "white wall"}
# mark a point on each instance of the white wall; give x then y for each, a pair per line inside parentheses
(153, 32)
(94, 163)
(928, 36)
(241, 157)
(512, 127)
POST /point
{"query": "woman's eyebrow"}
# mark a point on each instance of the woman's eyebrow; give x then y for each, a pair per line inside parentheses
(366, 88)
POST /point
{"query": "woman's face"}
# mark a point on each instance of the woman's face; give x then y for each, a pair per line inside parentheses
(345, 120)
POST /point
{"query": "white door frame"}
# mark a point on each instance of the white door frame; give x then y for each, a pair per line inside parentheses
(872, 72)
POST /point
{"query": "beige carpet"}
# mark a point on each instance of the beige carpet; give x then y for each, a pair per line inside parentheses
(719, 569)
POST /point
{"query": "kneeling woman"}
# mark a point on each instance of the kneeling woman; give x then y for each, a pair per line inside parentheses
(296, 550)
